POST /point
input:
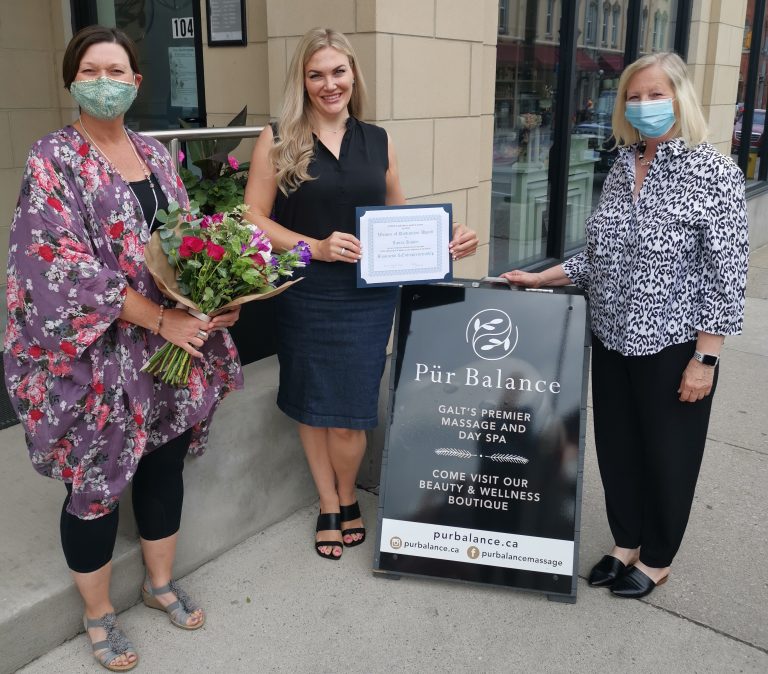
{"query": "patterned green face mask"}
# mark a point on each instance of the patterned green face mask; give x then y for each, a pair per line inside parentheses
(104, 98)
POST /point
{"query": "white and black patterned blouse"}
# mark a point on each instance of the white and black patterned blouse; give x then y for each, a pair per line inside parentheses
(659, 270)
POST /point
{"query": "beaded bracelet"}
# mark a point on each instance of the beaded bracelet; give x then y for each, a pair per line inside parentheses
(159, 320)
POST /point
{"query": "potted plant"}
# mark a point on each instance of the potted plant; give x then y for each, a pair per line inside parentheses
(221, 183)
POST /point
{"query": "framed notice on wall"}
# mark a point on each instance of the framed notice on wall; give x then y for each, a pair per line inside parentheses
(226, 23)
(482, 466)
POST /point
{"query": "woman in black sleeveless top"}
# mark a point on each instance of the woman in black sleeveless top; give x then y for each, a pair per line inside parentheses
(309, 173)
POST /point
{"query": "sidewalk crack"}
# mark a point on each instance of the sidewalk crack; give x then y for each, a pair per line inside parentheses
(709, 627)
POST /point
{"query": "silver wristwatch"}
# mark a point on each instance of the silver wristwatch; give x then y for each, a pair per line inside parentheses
(706, 358)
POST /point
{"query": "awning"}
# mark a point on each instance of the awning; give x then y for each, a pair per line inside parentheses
(545, 56)
(518, 53)
(611, 62)
(585, 62)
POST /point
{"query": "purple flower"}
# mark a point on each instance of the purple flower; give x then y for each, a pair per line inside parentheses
(217, 217)
(207, 222)
(274, 261)
(181, 156)
(303, 251)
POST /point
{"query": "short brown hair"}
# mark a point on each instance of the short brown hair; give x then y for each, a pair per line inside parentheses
(91, 35)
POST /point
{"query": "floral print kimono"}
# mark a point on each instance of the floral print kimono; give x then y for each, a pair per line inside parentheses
(72, 366)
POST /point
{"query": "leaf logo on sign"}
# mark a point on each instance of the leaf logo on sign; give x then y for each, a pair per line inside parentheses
(490, 332)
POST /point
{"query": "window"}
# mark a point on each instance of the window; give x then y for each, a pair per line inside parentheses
(748, 145)
(539, 203)
(590, 29)
(662, 36)
(550, 4)
(503, 17)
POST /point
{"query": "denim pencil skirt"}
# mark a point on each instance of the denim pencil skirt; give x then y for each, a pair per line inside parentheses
(332, 340)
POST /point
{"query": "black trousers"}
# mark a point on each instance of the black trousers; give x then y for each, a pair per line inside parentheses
(158, 494)
(649, 447)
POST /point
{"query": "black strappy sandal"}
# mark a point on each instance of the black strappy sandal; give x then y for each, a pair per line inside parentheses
(349, 513)
(327, 522)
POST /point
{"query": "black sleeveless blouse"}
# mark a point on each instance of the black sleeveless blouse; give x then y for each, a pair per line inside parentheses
(357, 178)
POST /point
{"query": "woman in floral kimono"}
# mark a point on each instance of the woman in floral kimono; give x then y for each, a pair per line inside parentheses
(84, 315)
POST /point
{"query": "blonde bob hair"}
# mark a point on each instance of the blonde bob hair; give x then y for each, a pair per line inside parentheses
(690, 123)
(294, 146)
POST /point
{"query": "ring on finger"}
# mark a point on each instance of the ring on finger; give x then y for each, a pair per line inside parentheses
(202, 334)
(343, 251)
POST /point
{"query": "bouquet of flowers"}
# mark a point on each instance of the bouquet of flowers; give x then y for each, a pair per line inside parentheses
(211, 264)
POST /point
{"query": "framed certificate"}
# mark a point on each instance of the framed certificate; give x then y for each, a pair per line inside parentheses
(404, 244)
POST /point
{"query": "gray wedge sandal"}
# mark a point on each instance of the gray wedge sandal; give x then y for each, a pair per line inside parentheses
(111, 648)
(179, 611)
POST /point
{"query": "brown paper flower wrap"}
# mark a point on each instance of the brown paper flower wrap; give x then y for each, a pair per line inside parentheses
(210, 265)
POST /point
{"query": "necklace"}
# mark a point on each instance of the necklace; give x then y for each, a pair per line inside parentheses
(641, 154)
(144, 169)
(334, 131)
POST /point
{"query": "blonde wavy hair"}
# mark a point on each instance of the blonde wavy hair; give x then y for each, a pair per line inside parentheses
(294, 146)
(690, 123)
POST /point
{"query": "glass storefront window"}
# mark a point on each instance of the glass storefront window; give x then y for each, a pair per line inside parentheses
(592, 155)
(526, 77)
(761, 97)
(538, 210)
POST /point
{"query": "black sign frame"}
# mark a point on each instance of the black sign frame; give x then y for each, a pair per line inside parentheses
(214, 6)
(557, 587)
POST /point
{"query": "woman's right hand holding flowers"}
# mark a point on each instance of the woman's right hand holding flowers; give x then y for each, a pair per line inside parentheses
(184, 330)
(338, 247)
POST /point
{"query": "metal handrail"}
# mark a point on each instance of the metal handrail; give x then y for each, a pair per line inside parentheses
(173, 137)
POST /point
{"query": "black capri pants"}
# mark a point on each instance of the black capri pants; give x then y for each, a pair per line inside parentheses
(158, 494)
(649, 447)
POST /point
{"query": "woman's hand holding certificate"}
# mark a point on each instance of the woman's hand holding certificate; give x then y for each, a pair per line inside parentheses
(408, 244)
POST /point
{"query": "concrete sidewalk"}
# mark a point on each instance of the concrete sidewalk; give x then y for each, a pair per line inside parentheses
(273, 605)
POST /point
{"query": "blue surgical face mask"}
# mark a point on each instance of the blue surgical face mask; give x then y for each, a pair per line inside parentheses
(104, 97)
(653, 119)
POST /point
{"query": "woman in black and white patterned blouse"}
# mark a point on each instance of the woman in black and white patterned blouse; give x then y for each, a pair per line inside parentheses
(665, 269)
